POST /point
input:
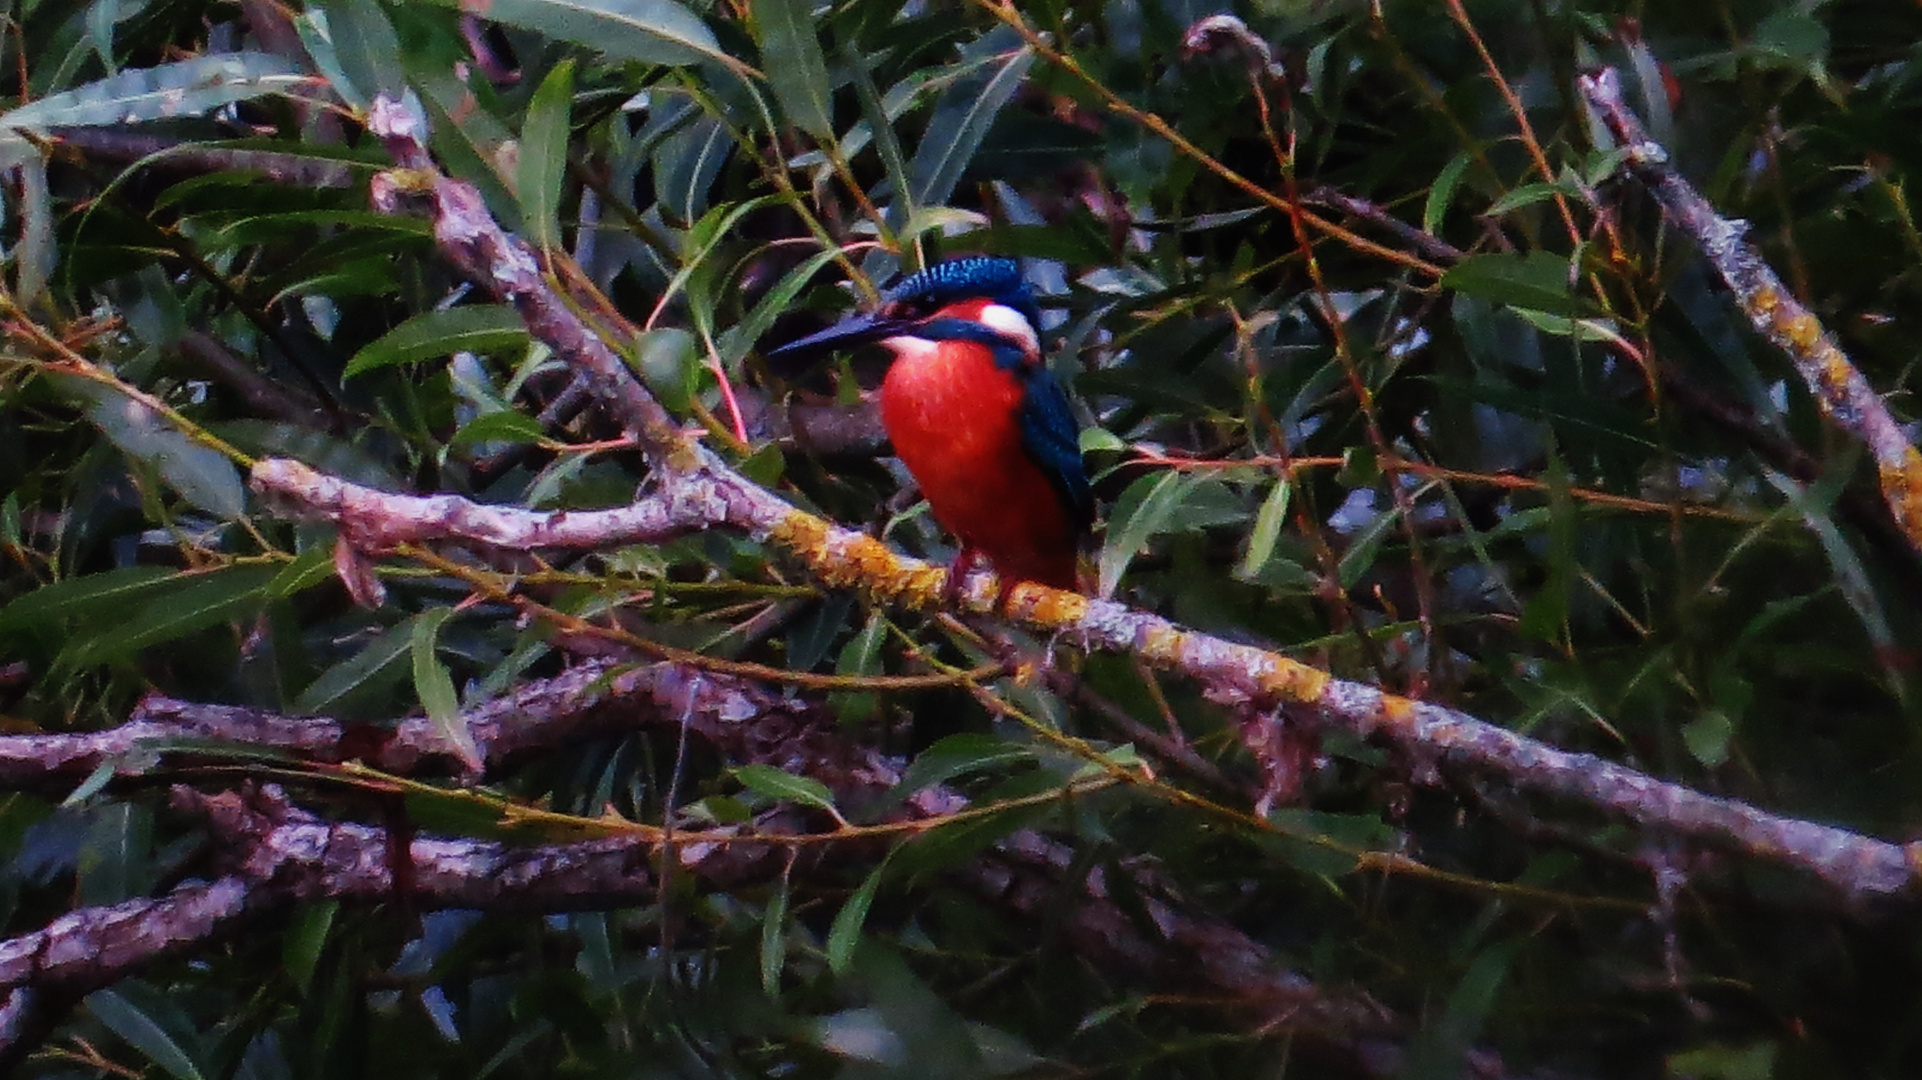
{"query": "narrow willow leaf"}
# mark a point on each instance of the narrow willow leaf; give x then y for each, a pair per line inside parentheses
(309, 568)
(1268, 522)
(1537, 279)
(845, 933)
(477, 328)
(506, 426)
(879, 123)
(1143, 510)
(774, 938)
(182, 88)
(143, 1033)
(1851, 578)
(203, 476)
(741, 337)
(301, 946)
(435, 687)
(651, 31)
(778, 784)
(543, 156)
(860, 656)
(102, 16)
(1529, 195)
(34, 256)
(364, 49)
(1441, 1049)
(89, 594)
(685, 165)
(957, 755)
(199, 600)
(1360, 556)
(796, 67)
(377, 662)
(961, 120)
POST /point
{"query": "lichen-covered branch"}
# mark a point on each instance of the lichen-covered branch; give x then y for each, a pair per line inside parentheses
(1845, 396)
(694, 479)
(1244, 675)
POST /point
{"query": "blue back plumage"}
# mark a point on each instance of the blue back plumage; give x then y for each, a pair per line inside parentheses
(1052, 438)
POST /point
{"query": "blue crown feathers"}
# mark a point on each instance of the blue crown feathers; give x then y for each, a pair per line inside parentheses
(996, 278)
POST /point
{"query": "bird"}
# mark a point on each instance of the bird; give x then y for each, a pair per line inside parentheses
(972, 410)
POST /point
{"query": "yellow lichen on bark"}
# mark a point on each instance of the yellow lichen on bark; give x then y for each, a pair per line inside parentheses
(1291, 680)
(858, 562)
(1397, 711)
(1050, 608)
(1799, 328)
(803, 534)
(1162, 645)
(1902, 487)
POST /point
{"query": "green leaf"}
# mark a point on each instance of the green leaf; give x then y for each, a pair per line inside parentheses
(651, 31)
(364, 49)
(476, 328)
(845, 933)
(778, 302)
(376, 662)
(1528, 195)
(961, 121)
(1796, 38)
(302, 944)
(142, 1032)
(1707, 737)
(773, 783)
(1851, 577)
(1146, 508)
(86, 595)
(1753, 1062)
(774, 938)
(203, 476)
(1268, 523)
(505, 426)
(35, 255)
(957, 755)
(543, 156)
(1442, 192)
(1537, 280)
(309, 568)
(436, 687)
(182, 88)
(860, 656)
(1440, 1049)
(1360, 556)
(796, 67)
(199, 600)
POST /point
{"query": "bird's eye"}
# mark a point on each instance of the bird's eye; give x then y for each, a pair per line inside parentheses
(909, 308)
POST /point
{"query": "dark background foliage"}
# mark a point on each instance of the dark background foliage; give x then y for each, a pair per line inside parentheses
(1503, 443)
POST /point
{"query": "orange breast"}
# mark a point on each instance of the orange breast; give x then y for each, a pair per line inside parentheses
(952, 415)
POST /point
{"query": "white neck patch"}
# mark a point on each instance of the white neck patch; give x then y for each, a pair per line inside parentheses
(1012, 325)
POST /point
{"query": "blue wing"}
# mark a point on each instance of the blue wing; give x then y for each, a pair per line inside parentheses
(1053, 439)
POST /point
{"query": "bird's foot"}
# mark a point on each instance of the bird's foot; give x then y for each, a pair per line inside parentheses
(958, 571)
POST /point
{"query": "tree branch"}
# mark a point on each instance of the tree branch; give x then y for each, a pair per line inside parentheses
(1846, 398)
(1241, 675)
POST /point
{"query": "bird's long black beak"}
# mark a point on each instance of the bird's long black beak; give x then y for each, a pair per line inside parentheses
(846, 334)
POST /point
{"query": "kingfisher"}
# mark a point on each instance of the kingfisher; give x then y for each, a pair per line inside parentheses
(975, 415)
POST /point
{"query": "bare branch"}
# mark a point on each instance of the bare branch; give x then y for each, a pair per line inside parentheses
(376, 521)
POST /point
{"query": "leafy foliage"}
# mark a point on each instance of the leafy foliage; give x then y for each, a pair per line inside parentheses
(1384, 362)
